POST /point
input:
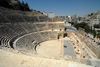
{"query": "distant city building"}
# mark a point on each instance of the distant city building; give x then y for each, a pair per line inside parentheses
(73, 17)
(69, 18)
(67, 24)
(98, 17)
(45, 13)
(86, 17)
(50, 14)
(75, 20)
(62, 18)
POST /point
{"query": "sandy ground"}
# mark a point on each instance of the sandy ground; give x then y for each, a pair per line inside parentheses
(50, 48)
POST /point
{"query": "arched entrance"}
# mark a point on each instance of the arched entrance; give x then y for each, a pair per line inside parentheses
(60, 35)
(65, 29)
(65, 34)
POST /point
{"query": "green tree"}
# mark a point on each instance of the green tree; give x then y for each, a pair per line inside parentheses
(82, 24)
(19, 5)
(96, 25)
(91, 30)
(72, 23)
(5, 3)
(26, 6)
(98, 35)
(76, 25)
(22, 6)
(87, 28)
(94, 33)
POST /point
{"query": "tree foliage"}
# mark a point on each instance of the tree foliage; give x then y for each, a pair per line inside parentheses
(98, 35)
(19, 6)
(96, 25)
(72, 23)
(82, 25)
(87, 28)
(5, 3)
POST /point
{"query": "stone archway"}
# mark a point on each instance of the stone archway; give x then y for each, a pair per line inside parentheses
(65, 29)
(60, 35)
(65, 34)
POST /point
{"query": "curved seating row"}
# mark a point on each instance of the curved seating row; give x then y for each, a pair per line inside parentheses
(10, 32)
(25, 43)
(92, 45)
(13, 16)
(3, 19)
(29, 41)
(30, 18)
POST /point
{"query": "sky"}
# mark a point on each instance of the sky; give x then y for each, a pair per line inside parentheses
(65, 7)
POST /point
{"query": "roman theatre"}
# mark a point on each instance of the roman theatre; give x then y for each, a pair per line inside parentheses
(33, 40)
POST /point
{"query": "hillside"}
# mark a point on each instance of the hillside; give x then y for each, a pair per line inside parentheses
(15, 4)
(11, 16)
(92, 15)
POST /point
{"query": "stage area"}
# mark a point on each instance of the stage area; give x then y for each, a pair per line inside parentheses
(52, 49)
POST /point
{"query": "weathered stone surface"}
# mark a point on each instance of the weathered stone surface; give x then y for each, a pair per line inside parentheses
(8, 59)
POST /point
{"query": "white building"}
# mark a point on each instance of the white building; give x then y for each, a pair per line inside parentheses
(98, 17)
(69, 18)
(51, 15)
(67, 24)
(45, 13)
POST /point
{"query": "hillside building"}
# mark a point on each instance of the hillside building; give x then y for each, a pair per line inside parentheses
(50, 14)
(45, 13)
